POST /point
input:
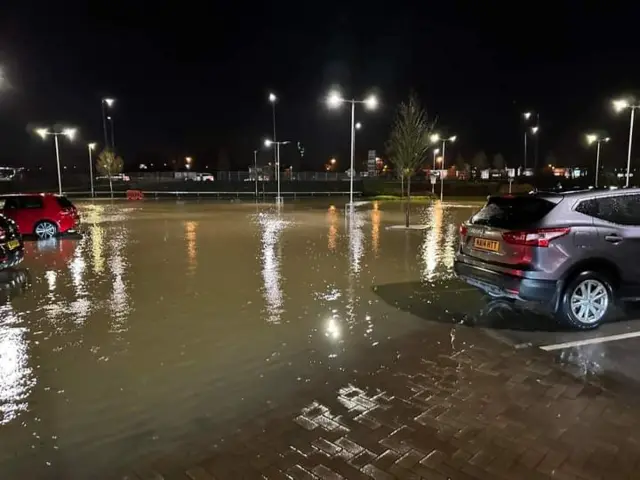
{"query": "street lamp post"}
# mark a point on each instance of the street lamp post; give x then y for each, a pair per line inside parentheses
(106, 103)
(434, 139)
(593, 138)
(436, 151)
(90, 147)
(272, 100)
(255, 170)
(334, 100)
(67, 132)
(620, 105)
(268, 143)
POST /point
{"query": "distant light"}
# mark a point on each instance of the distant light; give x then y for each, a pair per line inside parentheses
(188, 159)
(591, 138)
(371, 102)
(534, 130)
(334, 99)
(70, 133)
(358, 126)
(108, 118)
(434, 138)
(109, 101)
(606, 139)
(620, 104)
(92, 146)
(272, 98)
(436, 151)
(333, 161)
(526, 115)
(43, 132)
(453, 138)
(268, 143)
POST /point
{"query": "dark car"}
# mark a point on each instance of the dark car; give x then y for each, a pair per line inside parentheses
(42, 214)
(11, 245)
(575, 253)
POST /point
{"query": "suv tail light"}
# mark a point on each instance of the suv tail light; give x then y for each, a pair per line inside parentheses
(534, 238)
(463, 230)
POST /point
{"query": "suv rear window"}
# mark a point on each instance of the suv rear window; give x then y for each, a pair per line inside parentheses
(512, 212)
(64, 202)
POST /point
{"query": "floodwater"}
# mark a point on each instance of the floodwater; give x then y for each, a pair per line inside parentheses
(171, 322)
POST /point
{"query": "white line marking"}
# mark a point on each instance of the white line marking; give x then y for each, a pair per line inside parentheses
(591, 341)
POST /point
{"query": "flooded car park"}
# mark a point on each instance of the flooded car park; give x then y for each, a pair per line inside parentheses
(167, 321)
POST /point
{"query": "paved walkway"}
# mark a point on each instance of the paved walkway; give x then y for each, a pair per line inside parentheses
(461, 407)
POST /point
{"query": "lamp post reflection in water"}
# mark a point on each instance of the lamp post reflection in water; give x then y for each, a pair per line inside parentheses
(333, 229)
(430, 248)
(119, 302)
(190, 235)
(271, 228)
(16, 376)
(375, 229)
(356, 250)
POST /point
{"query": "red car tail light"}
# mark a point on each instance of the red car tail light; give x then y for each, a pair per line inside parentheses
(534, 238)
(463, 230)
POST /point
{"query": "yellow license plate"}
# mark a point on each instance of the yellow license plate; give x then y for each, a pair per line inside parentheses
(12, 244)
(484, 244)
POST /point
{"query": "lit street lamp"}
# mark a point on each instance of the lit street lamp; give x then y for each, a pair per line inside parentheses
(272, 100)
(436, 151)
(620, 105)
(268, 143)
(434, 139)
(91, 147)
(593, 138)
(67, 132)
(334, 100)
(187, 162)
(534, 130)
(107, 103)
(358, 126)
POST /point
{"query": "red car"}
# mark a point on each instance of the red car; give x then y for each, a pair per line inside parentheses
(42, 214)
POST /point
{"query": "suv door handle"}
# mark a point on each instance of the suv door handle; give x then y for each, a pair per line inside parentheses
(613, 238)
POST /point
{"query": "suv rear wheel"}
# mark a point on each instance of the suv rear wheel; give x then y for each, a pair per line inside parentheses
(587, 301)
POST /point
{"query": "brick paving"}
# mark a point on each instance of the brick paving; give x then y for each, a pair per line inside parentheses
(425, 409)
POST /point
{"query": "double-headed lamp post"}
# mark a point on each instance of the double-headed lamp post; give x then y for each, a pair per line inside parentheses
(620, 105)
(91, 147)
(334, 100)
(106, 104)
(269, 143)
(435, 138)
(593, 138)
(67, 132)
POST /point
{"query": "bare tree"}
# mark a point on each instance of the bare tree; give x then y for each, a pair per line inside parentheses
(109, 164)
(408, 143)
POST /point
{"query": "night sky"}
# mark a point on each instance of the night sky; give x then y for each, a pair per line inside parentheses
(194, 80)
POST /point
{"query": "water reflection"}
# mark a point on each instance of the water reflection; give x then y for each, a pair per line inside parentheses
(190, 234)
(271, 226)
(16, 376)
(375, 229)
(119, 301)
(430, 248)
(356, 250)
(97, 247)
(80, 306)
(332, 215)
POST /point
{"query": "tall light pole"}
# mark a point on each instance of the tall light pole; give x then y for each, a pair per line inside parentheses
(255, 170)
(272, 100)
(268, 143)
(436, 151)
(527, 116)
(106, 104)
(334, 100)
(435, 138)
(593, 138)
(67, 132)
(91, 147)
(620, 105)
(113, 142)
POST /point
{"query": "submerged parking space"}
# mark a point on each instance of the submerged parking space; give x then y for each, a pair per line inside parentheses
(168, 321)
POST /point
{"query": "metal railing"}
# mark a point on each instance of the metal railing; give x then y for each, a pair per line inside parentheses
(216, 195)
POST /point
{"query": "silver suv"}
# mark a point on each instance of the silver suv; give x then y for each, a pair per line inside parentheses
(575, 253)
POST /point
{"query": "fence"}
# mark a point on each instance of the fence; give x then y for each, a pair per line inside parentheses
(213, 195)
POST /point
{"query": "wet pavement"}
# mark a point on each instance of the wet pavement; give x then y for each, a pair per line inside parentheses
(171, 328)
